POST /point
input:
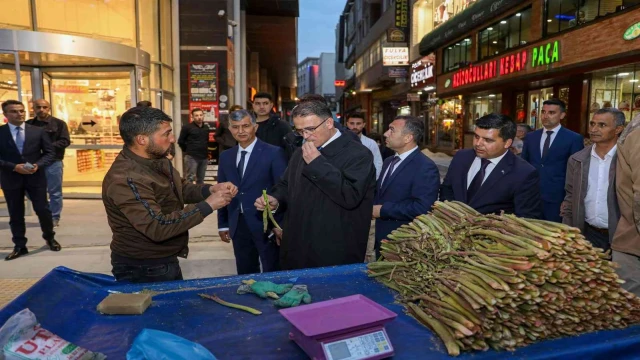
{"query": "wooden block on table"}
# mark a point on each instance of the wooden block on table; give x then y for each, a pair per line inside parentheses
(125, 304)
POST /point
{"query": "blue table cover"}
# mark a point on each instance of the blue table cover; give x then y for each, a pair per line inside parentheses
(65, 301)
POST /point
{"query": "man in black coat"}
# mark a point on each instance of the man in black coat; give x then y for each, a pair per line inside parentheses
(328, 193)
(194, 141)
(25, 151)
(271, 129)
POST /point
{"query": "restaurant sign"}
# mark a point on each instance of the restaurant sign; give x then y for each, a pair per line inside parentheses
(545, 54)
(633, 32)
(395, 56)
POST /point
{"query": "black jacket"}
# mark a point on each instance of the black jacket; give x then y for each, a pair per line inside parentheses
(273, 131)
(194, 140)
(223, 136)
(37, 150)
(58, 134)
(329, 204)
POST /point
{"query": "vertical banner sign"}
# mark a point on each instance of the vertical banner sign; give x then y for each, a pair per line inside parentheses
(402, 17)
(231, 72)
(203, 88)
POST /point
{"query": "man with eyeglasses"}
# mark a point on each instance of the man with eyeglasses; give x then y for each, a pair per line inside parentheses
(59, 135)
(25, 151)
(327, 191)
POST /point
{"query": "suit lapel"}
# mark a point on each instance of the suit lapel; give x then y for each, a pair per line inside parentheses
(29, 137)
(253, 160)
(398, 170)
(467, 166)
(385, 166)
(557, 141)
(233, 176)
(536, 138)
(502, 169)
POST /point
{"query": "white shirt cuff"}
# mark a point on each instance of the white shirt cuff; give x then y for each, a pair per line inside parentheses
(223, 229)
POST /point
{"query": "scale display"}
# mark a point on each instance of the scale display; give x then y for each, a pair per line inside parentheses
(359, 347)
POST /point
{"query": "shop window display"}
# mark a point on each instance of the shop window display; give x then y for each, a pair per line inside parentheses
(505, 34)
(536, 100)
(448, 115)
(478, 106)
(561, 15)
(9, 87)
(456, 55)
(446, 9)
(618, 88)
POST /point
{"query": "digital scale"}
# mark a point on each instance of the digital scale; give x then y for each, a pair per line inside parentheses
(348, 328)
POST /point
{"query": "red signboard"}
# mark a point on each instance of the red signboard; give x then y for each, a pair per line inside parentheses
(505, 65)
(339, 83)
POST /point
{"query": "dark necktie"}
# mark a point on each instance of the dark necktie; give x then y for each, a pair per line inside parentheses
(19, 139)
(394, 161)
(547, 144)
(476, 183)
(241, 165)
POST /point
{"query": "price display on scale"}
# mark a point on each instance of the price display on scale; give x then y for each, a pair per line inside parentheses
(359, 347)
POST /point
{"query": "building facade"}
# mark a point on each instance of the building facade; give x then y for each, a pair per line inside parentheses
(510, 56)
(308, 76)
(316, 75)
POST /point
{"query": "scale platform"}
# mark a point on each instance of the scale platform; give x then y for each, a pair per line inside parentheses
(348, 328)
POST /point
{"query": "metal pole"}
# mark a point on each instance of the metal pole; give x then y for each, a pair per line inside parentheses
(177, 106)
(237, 44)
(243, 57)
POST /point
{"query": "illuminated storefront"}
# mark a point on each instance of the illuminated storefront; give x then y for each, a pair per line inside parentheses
(92, 60)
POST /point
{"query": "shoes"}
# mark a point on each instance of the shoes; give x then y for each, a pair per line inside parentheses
(16, 253)
(56, 223)
(54, 245)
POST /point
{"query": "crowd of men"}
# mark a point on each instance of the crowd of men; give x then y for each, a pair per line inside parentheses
(327, 183)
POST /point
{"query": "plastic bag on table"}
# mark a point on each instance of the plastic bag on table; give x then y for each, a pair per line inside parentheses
(21, 337)
(159, 345)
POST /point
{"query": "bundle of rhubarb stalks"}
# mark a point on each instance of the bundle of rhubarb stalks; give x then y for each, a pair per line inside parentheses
(500, 281)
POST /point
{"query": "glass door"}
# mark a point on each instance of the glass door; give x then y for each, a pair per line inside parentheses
(536, 98)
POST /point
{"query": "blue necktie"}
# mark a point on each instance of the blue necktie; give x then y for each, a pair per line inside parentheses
(241, 165)
(19, 139)
(478, 179)
(394, 161)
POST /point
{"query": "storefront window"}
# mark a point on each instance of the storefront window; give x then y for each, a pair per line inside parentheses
(457, 55)
(505, 34)
(564, 14)
(167, 79)
(422, 23)
(448, 113)
(618, 88)
(446, 9)
(165, 32)
(19, 17)
(536, 100)
(9, 89)
(479, 106)
(112, 21)
(149, 37)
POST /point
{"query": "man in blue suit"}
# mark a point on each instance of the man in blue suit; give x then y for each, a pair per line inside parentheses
(252, 166)
(409, 181)
(489, 177)
(548, 150)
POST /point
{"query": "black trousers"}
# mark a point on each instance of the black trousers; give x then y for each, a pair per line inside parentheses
(15, 204)
(169, 271)
(250, 252)
(596, 238)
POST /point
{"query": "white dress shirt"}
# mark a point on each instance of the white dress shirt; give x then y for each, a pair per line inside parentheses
(375, 150)
(13, 130)
(476, 165)
(543, 138)
(402, 157)
(249, 150)
(596, 210)
(335, 136)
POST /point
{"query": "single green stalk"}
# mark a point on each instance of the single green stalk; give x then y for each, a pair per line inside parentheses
(231, 305)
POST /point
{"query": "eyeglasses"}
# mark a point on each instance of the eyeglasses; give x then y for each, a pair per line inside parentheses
(309, 130)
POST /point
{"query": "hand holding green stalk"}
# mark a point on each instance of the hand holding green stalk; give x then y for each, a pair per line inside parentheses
(267, 214)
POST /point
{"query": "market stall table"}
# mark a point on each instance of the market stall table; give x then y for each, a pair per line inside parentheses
(65, 301)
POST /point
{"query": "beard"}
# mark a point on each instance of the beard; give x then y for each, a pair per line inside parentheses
(157, 152)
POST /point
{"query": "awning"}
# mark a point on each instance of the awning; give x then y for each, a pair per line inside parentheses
(480, 12)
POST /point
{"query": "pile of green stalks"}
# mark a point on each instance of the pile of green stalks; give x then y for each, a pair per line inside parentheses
(499, 281)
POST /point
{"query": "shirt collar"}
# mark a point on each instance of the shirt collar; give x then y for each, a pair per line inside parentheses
(249, 148)
(496, 160)
(13, 127)
(404, 155)
(608, 155)
(333, 138)
(555, 129)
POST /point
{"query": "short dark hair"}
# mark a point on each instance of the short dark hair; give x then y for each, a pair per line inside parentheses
(527, 127)
(358, 115)
(238, 115)
(144, 103)
(500, 122)
(196, 109)
(234, 108)
(307, 108)
(263, 95)
(9, 103)
(618, 116)
(558, 102)
(413, 126)
(312, 97)
(140, 120)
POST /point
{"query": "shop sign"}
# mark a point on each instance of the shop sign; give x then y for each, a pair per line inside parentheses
(545, 54)
(633, 32)
(401, 31)
(422, 71)
(474, 74)
(398, 72)
(210, 110)
(413, 97)
(513, 63)
(395, 56)
(339, 83)
(231, 72)
(203, 82)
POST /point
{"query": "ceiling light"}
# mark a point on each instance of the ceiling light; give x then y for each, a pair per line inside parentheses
(117, 89)
(467, 40)
(490, 29)
(450, 48)
(518, 14)
(479, 97)
(549, 20)
(634, 80)
(492, 95)
(9, 82)
(503, 22)
(208, 47)
(623, 74)
(419, 92)
(429, 88)
(495, 42)
(98, 84)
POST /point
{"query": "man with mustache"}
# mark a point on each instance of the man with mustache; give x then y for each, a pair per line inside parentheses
(145, 199)
(489, 177)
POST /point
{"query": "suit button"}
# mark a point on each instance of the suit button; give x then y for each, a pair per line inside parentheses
(542, 165)
(241, 193)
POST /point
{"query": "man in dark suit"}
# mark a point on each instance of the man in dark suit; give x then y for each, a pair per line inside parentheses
(409, 182)
(548, 150)
(490, 178)
(252, 166)
(25, 151)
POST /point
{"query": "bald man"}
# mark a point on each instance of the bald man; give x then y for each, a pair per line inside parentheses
(59, 136)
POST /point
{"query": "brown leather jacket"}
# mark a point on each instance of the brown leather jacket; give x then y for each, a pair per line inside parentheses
(145, 207)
